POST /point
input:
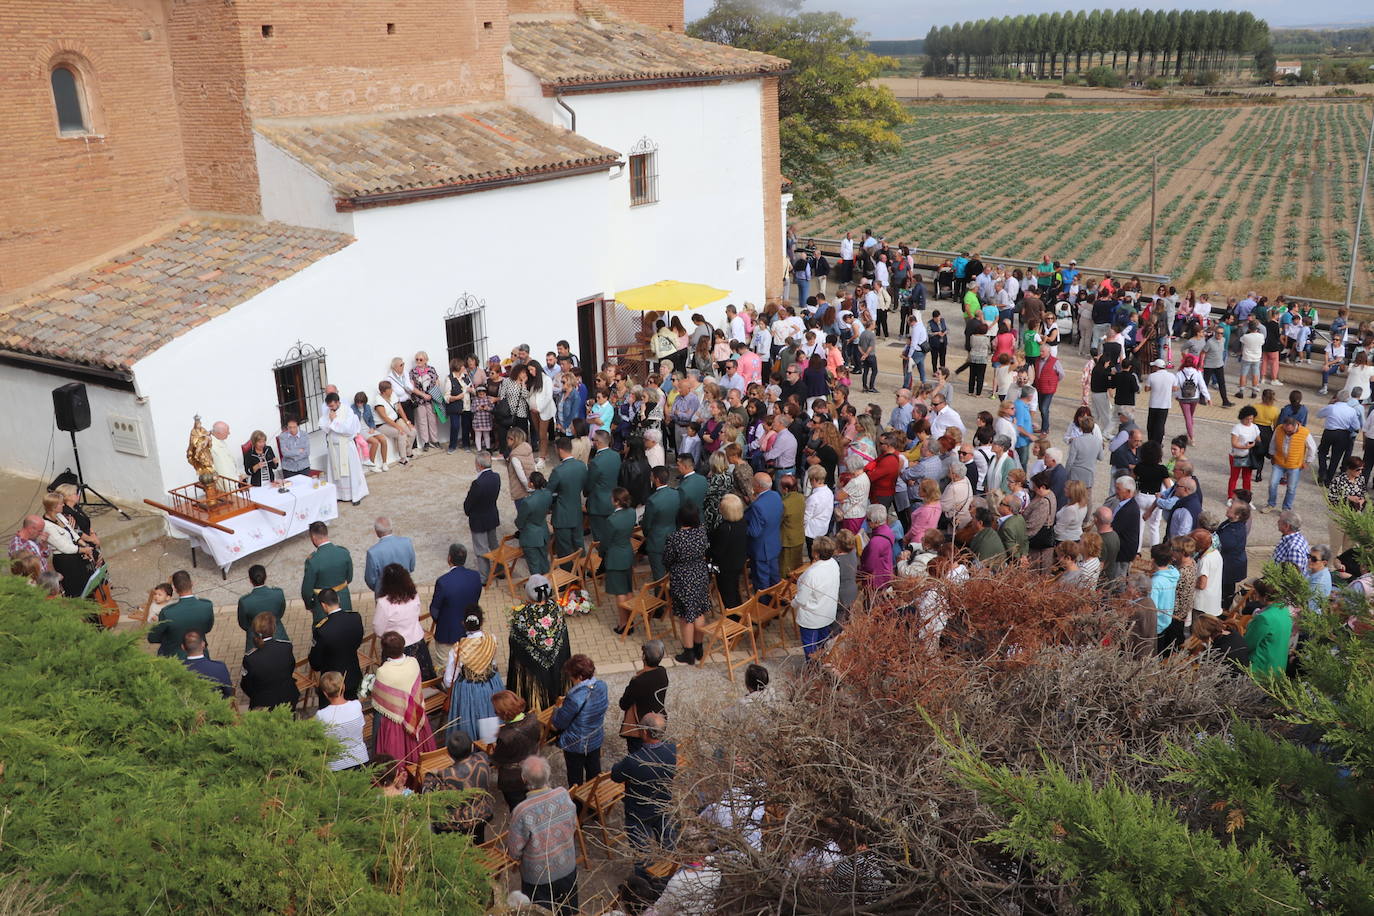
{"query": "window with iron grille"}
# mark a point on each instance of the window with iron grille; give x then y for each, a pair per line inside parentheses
(643, 172)
(301, 378)
(465, 327)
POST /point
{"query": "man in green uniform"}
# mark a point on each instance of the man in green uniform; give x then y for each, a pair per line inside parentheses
(566, 484)
(603, 476)
(660, 520)
(330, 566)
(180, 617)
(263, 599)
(691, 486)
(532, 525)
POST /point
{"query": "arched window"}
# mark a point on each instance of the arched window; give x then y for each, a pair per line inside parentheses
(67, 98)
(643, 172)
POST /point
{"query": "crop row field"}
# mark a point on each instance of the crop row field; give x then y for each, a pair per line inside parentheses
(1263, 194)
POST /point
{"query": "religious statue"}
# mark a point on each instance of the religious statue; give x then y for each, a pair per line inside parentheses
(198, 455)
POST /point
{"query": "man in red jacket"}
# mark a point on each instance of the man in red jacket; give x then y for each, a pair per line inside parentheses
(1048, 371)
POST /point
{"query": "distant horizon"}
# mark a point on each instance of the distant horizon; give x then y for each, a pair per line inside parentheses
(890, 24)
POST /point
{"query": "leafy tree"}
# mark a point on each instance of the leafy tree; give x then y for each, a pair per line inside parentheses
(130, 786)
(830, 111)
(1265, 62)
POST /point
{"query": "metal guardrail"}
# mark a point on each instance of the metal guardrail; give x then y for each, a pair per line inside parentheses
(832, 246)
(1359, 310)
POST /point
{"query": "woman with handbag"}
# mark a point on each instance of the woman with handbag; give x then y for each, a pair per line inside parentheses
(647, 692)
(1245, 436)
(424, 381)
(1040, 524)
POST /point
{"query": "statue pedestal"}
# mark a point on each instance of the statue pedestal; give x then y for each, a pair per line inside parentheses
(210, 505)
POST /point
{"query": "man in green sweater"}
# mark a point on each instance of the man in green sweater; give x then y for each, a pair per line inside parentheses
(1269, 633)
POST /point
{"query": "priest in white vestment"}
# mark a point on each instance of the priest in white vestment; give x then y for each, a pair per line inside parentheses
(343, 467)
(222, 453)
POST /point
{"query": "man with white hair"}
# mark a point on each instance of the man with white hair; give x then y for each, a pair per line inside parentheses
(222, 453)
(943, 417)
(542, 838)
(389, 548)
(1126, 524)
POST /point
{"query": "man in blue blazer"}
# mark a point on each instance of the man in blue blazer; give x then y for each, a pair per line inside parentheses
(390, 548)
(454, 592)
(483, 516)
(764, 520)
(193, 644)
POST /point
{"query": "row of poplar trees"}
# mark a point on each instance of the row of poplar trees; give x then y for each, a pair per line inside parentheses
(1046, 44)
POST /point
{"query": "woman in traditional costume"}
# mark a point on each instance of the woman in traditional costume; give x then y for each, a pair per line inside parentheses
(403, 729)
(471, 677)
(538, 647)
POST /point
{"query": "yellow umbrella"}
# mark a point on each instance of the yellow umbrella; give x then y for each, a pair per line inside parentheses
(669, 296)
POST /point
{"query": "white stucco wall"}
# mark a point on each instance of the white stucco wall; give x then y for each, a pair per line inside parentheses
(529, 251)
(31, 444)
(710, 209)
(293, 194)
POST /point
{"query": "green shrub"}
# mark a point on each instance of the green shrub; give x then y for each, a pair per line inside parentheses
(1055, 95)
(1154, 84)
(1070, 79)
(130, 786)
(1103, 76)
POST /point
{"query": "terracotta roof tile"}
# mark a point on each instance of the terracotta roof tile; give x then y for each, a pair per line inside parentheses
(115, 314)
(446, 149)
(605, 49)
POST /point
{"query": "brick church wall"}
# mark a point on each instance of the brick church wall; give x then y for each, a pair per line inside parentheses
(70, 199)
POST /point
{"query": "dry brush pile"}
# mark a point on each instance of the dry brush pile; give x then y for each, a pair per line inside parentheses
(850, 763)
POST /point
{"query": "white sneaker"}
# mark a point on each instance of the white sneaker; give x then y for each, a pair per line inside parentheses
(539, 464)
(1322, 390)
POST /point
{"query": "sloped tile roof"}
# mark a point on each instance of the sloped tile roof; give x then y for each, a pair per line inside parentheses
(446, 149)
(123, 310)
(604, 49)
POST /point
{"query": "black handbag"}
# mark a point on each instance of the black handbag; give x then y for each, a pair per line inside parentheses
(1044, 538)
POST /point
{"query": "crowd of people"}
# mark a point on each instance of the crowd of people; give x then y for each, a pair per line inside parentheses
(734, 458)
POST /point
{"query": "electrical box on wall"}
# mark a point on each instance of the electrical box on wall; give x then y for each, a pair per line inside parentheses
(127, 435)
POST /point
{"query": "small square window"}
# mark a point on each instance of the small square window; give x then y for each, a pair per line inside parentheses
(486, 25)
(266, 31)
(643, 179)
(391, 28)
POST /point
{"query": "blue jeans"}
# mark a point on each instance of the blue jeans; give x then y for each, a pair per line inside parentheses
(918, 359)
(1045, 401)
(803, 287)
(813, 639)
(1291, 475)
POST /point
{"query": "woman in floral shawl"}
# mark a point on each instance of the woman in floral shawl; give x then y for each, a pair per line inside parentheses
(538, 647)
(403, 729)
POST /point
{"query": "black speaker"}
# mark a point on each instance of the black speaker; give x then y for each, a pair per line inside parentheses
(71, 407)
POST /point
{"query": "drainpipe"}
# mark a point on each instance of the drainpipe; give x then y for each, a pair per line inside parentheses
(558, 98)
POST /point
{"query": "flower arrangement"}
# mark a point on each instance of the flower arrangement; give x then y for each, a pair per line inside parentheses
(576, 602)
(365, 687)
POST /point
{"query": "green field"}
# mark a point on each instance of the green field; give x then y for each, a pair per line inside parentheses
(1262, 194)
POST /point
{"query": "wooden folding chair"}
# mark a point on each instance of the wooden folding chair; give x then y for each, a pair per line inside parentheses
(644, 605)
(306, 681)
(545, 717)
(562, 580)
(502, 560)
(725, 633)
(771, 607)
(432, 761)
(598, 798)
(435, 697)
(494, 858)
(591, 569)
(368, 653)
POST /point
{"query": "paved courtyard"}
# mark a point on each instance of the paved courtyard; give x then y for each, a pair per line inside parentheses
(424, 502)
